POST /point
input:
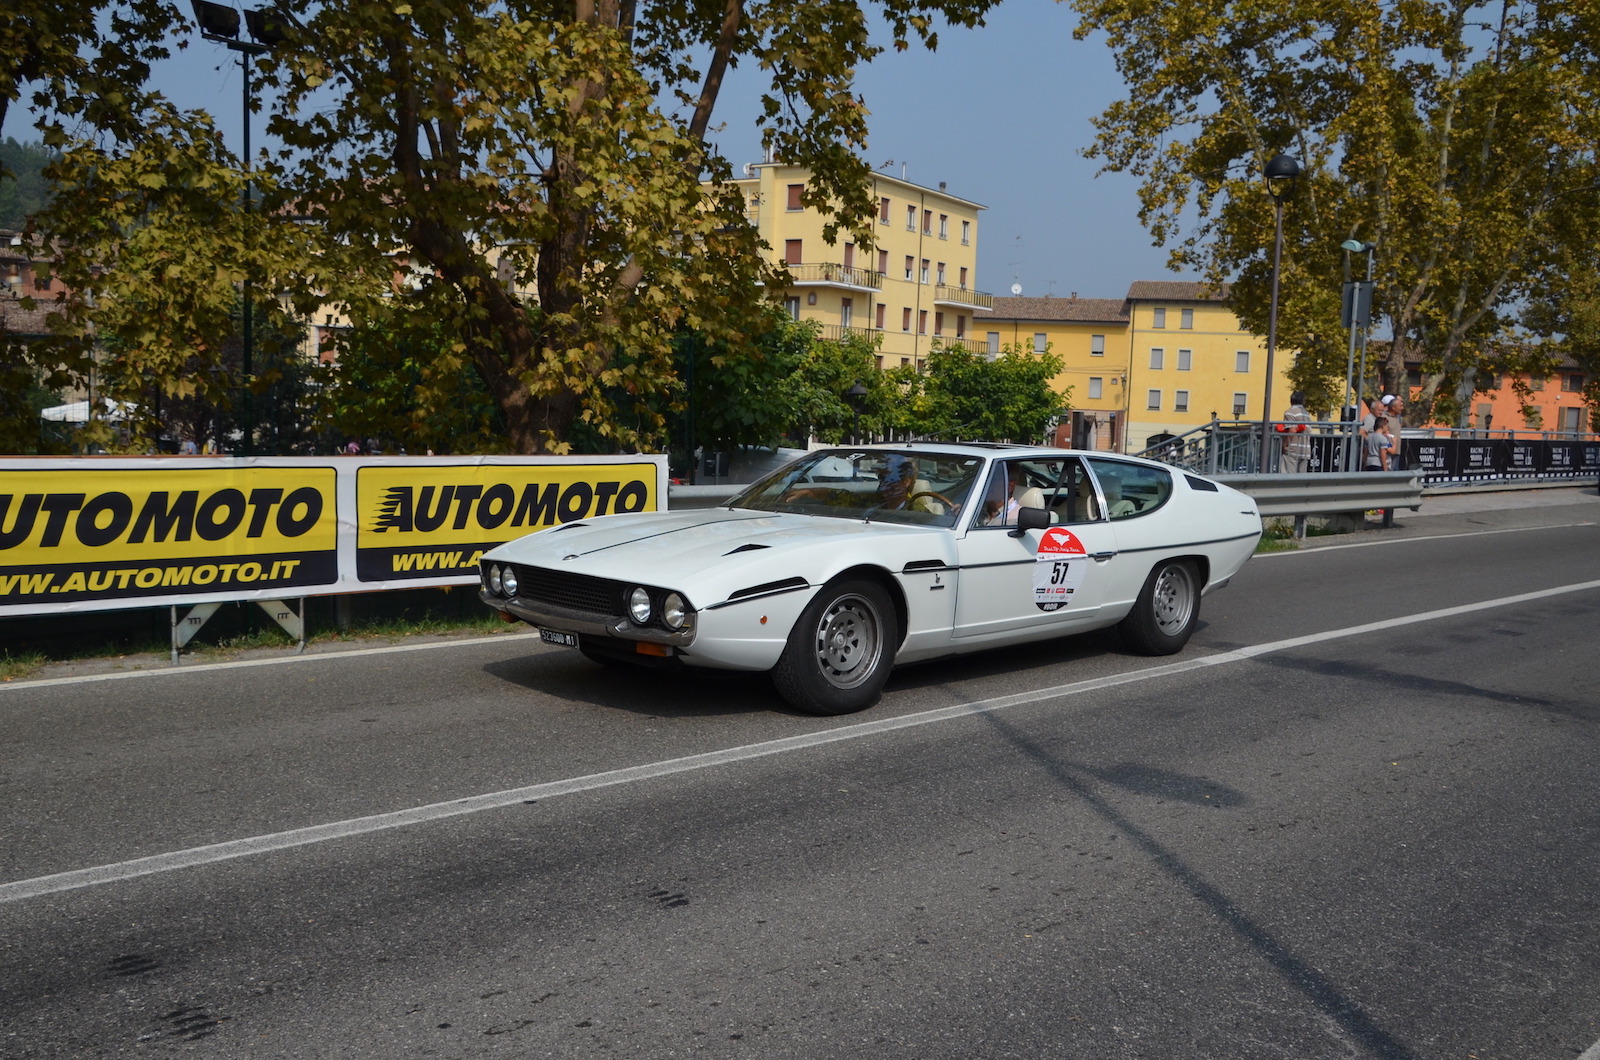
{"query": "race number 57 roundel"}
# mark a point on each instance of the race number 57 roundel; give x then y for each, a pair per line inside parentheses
(1058, 568)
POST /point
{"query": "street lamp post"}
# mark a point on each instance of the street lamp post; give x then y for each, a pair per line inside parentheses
(220, 23)
(1281, 172)
(1357, 303)
(855, 396)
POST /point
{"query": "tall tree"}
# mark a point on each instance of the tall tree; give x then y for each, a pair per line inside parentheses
(574, 139)
(1458, 136)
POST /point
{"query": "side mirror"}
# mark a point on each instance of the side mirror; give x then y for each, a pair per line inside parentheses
(1031, 519)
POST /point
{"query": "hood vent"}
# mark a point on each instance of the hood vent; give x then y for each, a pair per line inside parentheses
(747, 547)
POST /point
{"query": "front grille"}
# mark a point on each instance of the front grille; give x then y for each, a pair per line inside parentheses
(574, 592)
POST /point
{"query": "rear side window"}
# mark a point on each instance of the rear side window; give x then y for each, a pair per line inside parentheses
(1131, 490)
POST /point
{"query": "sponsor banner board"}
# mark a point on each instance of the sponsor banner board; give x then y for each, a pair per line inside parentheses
(429, 524)
(100, 533)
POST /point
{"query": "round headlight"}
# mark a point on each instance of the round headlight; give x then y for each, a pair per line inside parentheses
(639, 606)
(508, 580)
(492, 576)
(673, 611)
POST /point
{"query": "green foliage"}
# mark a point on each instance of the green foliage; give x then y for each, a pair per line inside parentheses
(1459, 138)
(964, 394)
(400, 381)
(24, 191)
(571, 140)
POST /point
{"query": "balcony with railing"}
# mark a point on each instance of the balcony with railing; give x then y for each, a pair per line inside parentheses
(832, 274)
(962, 297)
(841, 332)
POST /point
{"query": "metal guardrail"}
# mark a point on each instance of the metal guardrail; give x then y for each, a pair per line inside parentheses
(1329, 493)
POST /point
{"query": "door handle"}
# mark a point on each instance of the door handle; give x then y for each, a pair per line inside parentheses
(1101, 557)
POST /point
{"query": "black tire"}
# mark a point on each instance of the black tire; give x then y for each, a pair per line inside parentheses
(1167, 611)
(841, 650)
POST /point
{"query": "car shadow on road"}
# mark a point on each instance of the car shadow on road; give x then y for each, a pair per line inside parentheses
(656, 691)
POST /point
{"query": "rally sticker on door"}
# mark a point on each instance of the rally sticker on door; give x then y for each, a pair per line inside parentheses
(1058, 568)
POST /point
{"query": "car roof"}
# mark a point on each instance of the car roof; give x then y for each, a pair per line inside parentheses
(994, 450)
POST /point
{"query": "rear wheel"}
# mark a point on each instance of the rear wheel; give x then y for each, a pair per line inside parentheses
(1167, 611)
(841, 650)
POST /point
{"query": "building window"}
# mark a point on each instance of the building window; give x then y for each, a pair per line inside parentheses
(966, 233)
(883, 210)
(881, 311)
(911, 218)
(961, 325)
(922, 322)
(1241, 361)
(940, 273)
(1096, 388)
(1536, 383)
(1158, 358)
(1180, 401)
(1185, 360)
(1097, 345)
(1041, 342)
(1571, 421)
(1160, 318)
(1238, 406)
(792, 254)
(927, 222)
(794, 197)
(924, 273)
(905, 319)
(792, 307)
(1572, 384)
(911, 265)
(944, 226)
(993, 338)
(1152, 399)
(1186, 319)
(938, 323)
(963, 275)
(846, 312)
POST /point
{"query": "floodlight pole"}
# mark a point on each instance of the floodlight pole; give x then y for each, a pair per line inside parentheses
(220, 23)
(1280, 174)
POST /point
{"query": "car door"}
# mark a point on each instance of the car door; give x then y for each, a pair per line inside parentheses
(1017, 582)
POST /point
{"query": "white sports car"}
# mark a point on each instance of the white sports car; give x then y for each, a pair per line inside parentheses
(833, 569)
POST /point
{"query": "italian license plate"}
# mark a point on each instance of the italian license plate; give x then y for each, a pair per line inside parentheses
(555, 636)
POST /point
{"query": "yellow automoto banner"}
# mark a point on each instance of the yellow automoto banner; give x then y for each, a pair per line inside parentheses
(435, 520)
(97, 533)
(118, 533)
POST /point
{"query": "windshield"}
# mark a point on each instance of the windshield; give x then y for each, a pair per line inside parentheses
(878, 484)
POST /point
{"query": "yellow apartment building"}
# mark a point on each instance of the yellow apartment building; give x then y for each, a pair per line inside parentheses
(916, 286)
(1165, 359)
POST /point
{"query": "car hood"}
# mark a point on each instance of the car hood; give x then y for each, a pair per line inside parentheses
(704, 546)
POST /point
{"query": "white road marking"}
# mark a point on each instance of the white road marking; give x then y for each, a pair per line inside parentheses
(1408, 540)
(276, 660)
(263, 844)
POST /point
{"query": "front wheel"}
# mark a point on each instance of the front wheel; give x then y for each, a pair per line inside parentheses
(1167, 610)
(841, 650)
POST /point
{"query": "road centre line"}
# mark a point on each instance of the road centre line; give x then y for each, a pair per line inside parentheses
(1408, 540)
(183, 859)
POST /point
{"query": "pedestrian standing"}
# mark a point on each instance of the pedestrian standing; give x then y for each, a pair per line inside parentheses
(1296, 456)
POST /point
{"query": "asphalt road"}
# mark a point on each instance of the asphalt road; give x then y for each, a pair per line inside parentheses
(1358, 817)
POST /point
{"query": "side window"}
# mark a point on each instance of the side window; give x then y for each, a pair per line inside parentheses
(1061, 487)
(1131, 490)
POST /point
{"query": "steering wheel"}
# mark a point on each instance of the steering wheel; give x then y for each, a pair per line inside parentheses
(949, 504)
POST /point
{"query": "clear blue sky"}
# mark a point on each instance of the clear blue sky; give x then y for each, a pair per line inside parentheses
(1001, 114)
